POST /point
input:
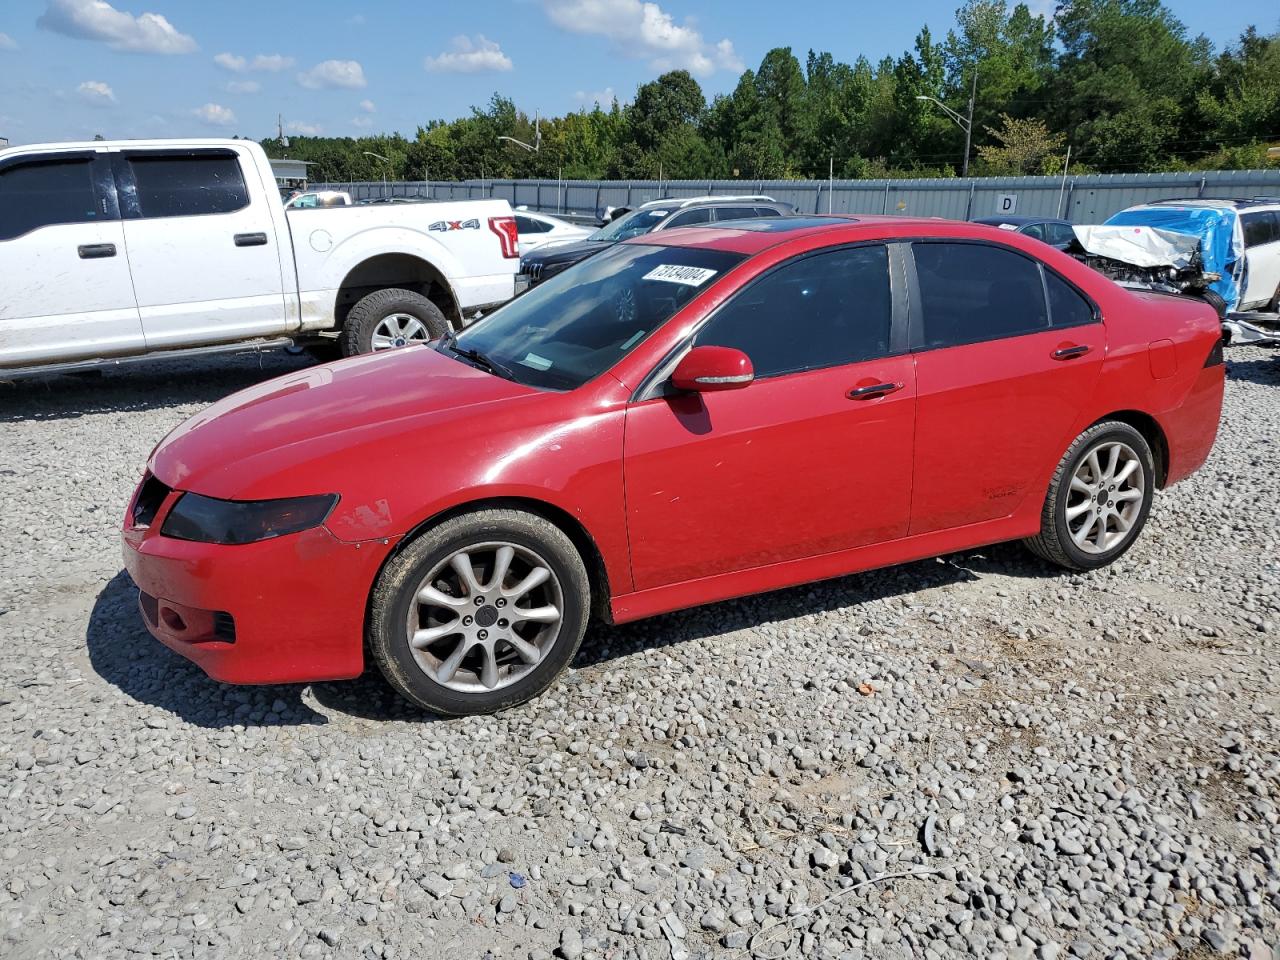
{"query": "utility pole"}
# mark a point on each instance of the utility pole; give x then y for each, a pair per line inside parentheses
(968, 127)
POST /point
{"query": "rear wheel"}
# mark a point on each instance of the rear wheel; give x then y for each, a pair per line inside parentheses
(1098, 500)
(386, 319)
(480, 613)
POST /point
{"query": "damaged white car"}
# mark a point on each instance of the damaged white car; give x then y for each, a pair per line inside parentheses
(1226, 252)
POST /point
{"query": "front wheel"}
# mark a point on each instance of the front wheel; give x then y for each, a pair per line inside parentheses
(1098, 500)
(386, 319)
(480, 613)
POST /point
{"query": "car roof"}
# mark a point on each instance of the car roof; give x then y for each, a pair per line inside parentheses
(1215, 203)
(750, 237)
(680, 202)
(1018, 221)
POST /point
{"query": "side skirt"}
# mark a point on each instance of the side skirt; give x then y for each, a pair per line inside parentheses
(790, 573)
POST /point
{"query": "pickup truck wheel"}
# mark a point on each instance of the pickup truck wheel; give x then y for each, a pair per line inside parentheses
(386, 319)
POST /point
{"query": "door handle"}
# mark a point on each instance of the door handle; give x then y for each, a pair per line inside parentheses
(96, 251)
(1067, 353)
(871, 391)
(251, 239)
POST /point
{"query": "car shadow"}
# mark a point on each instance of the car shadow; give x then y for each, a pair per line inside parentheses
(1265, 370)
(141, 387)
(605, 643)
(124, 654)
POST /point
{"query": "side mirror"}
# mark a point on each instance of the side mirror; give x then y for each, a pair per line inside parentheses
(708, 369)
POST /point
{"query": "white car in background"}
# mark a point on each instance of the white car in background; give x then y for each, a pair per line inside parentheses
(539, 230)
(318, 198)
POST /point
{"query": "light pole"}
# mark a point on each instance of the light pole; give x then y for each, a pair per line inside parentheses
(537, 137)
(964, 123)
(378, 156)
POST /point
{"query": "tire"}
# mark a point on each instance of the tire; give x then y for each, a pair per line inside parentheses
(1215, 300)
(1058, 541)
(426, 566)
(409, 312)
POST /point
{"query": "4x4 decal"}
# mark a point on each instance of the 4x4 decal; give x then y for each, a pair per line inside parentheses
(446, 225)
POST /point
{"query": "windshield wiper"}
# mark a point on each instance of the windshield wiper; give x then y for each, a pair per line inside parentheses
(480, 359)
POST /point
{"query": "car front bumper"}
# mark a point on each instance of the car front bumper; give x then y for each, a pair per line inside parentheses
(290, 609)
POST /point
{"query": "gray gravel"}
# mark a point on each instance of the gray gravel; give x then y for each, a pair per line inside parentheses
(1096, 758)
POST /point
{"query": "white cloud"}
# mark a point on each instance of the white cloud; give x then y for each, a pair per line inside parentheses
(368, 106)
(243, 86)
(271, 62)
(334, 73)
(7, 42)
(480, 55)
(98, 20)
(306, 129)
(603, 97)
(216, 114)
(97, 93)
(645, 30)
(363, 123)
(264, 62)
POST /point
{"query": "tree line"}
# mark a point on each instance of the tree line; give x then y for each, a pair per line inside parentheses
(1119, 82)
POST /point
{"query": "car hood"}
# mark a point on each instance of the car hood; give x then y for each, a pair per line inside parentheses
(570, 252)
(269, 440)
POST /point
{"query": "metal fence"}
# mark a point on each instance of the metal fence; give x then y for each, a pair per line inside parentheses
(1082, 199)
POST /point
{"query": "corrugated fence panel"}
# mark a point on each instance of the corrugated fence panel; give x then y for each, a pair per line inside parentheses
(1082, 199)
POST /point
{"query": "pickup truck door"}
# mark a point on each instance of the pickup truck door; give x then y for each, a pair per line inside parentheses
(203, 245)
(65, 277)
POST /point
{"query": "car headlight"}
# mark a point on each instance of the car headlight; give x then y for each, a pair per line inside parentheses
(206, 520)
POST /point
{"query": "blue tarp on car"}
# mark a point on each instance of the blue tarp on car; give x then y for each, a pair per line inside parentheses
(1221, 243)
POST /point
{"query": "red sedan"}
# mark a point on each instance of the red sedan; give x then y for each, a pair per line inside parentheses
(698, 415)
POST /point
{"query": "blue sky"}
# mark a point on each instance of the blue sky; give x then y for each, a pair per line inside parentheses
(135, 68)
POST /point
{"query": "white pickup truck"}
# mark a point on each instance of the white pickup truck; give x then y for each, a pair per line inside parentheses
(118, 249)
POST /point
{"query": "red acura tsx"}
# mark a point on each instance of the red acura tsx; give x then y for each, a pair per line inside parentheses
(696, 415)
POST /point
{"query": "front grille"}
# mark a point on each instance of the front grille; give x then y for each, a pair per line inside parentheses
(224, 626)
(150, 496)
(534, 272)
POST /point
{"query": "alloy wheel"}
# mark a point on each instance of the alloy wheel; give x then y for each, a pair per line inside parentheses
(398, 330)
(485, 617)
(1106, 497)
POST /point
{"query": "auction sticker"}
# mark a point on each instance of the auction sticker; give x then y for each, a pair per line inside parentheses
(674, 273)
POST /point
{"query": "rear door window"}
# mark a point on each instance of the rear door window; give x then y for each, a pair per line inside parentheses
(190, 185)
(689, 218)
(972, 291)
(1061, 233)
(735, 213)
(46, 192)
(1260, 228)
(530, 225)
(767, 212)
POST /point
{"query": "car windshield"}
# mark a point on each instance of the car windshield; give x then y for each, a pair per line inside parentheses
(581, 322)
(634, 224)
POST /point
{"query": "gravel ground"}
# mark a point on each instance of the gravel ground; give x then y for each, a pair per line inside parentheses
(1043, 765)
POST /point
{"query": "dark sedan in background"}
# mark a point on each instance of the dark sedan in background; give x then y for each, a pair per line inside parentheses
(1052, 230)
(650, 217)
